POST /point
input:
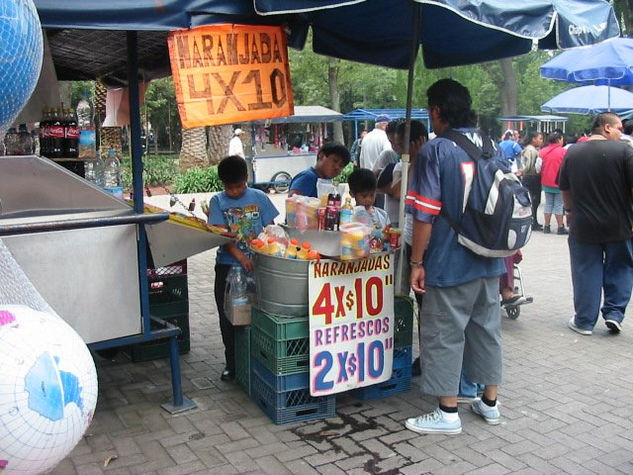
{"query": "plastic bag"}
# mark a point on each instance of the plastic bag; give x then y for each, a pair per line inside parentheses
(238, 296)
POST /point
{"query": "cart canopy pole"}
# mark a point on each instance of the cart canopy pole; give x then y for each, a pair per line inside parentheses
(402, 281)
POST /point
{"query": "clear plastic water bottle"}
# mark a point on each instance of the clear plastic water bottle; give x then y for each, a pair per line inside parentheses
(112, 174)
(239, 287)
(94, 170)
(84, 113)
(11, 142)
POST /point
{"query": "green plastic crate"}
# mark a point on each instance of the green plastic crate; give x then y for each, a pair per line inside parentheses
(280, 356)
(280, 328)
(243, 357)
(403, 331)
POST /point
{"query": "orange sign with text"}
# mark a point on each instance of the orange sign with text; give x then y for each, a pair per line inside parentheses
(225, 74)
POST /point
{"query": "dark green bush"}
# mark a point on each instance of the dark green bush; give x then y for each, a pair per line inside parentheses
(198, 180)
(158, 170)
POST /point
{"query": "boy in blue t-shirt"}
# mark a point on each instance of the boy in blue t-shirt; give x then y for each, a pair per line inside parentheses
(331, 160)
(246, 212)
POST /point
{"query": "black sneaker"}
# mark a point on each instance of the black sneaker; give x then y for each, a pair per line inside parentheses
(537, 227)
(562, 231)
(614, 326)
(547, 229)
(227, 374)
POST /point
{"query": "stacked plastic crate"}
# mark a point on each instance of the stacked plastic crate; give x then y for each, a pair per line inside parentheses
(169, 301)
(400, 380)
(243, 357)
(280, 383)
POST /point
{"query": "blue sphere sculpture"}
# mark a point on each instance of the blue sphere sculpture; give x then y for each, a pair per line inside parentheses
(21, 50)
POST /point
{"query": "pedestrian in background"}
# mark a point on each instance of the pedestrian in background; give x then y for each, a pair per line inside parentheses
(552, 155)
(597, 182)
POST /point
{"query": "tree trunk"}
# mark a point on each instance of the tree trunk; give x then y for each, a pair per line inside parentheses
(508, 92)
(219, 137)
(625, 7)
(335, 96)
(193, 152)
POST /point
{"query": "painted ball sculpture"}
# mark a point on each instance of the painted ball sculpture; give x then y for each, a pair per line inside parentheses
(48, 390)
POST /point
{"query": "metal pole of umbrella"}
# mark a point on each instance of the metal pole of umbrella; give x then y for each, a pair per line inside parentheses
(402, 281)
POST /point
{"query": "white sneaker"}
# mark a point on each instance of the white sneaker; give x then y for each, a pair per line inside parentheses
(490, 414)
(577, 329)
(434, 423)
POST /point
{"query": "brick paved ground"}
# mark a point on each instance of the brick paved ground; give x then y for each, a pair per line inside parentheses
(566, 405)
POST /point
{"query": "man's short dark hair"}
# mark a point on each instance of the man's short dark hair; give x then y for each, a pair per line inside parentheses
(418, 130)
(335, 148)
(454, 103)
(361, 180)
(606, 118)
(554, 137)
(392, 127)
(232, 169)
(627, 126)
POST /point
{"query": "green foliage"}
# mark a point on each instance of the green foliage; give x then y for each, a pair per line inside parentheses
(161, 110)
(158, 170)
(198, 180)
(345, 173)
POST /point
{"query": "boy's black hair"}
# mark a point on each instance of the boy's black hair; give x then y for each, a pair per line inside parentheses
(335, 148)
(232, 169)
(362, 180)
(417, 132)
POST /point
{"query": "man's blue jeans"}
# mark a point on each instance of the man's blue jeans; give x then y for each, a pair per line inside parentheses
(596, 268)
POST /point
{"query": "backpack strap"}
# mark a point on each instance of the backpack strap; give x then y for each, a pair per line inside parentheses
(469, 147)
(473, 152)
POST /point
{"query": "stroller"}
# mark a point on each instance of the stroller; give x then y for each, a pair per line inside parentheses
(513, 309)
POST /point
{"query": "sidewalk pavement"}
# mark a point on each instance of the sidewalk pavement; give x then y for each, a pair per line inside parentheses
(566, 404)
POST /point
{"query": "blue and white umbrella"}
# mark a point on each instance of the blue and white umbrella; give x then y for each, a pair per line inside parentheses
(591, 100)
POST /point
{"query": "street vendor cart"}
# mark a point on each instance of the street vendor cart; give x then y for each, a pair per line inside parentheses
(285, 146)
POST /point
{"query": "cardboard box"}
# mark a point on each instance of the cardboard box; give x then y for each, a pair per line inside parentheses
(239, 315)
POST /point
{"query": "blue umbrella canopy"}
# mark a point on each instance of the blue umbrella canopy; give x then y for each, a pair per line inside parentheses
(590, 100)
(608, 63)
(453, 32)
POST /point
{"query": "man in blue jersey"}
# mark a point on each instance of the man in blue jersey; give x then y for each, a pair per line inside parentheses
(460, 318)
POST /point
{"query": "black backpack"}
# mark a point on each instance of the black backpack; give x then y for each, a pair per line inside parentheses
(497, 219)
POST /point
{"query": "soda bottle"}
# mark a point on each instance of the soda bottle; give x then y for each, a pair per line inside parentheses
(71, 135)
(291, 250)
(56, 134)
(44, 132)
(304, 251)
(24, 141)
(347, 212)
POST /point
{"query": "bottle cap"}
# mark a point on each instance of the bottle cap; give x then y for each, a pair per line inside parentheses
(294, 241)
(306, 245)
(312, 254)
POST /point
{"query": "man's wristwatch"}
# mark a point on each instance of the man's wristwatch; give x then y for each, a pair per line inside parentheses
(415, 263)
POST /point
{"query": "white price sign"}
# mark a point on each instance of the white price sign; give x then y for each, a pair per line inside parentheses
(351, 323)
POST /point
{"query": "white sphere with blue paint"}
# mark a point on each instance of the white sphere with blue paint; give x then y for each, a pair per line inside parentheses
(21, 51)
(48, 390)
